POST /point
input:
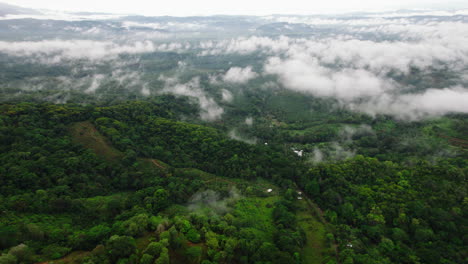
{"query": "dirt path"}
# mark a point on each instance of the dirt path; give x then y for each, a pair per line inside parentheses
(313, 206)
(157, 164)
(319, 213)
(455, 141)
(223, 180)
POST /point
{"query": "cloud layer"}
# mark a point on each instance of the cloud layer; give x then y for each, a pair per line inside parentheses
(364, 62)
(75, 49)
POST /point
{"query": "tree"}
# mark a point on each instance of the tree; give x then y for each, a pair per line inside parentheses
(21, 252)
(160, 200)
(146, 259)
(194, 254)
(193, 235)
(8, 259)
(163, 257)
(120, 246)
(266, 252)
(154, 249)
(211, 240)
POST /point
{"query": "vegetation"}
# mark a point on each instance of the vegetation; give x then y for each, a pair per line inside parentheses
(131, 183)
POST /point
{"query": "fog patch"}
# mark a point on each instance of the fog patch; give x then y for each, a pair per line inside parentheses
(348, 132)
(335, 151)
(226, 95)
(234, 134)
(212, 201)
(145, 91)
(74, 49)
(95, 83)
(210, 110)
(317, 156)
(249, 121)
(340, 149)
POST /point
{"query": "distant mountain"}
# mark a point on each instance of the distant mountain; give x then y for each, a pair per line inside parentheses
(7, 9)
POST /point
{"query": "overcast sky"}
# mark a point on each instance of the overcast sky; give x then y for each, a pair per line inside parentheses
(238, 7)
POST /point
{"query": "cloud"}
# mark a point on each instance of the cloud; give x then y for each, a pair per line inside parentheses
(243, 45)
(211, 201)
(432, 102)
(356, 72)
(75, 49)
(348, 132)
(95, 83)
(352, 59)
(234, 134)
(331, 152)
(145, 91)
(304, 74)
(317, 156)
(239, 75)
(413, 42)
(62, 16)
(210, 110)
(249, 121)
(173, 26)
(365, 91)
(226, 95)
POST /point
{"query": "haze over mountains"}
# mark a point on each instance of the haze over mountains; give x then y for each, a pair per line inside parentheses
(222, 139)
(409, 64)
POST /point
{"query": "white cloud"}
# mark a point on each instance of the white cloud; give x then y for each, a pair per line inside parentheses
(226, 95)
(365, 91)
(210, 110)
(432, 102)
(234, 134)
(306, 75)
(239, 75)
(95, 83)
(176, 26)
(75, 49)
(145, 91)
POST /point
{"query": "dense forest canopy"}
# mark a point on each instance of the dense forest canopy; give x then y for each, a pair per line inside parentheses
(233, 139)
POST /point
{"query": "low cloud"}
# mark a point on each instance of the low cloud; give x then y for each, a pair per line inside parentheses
(432, 102)
(212, 201)
(348, 132)
(210, 110)
(172, 26)
(234, 134)
(75, 49)
(226, 95)
(305, 74)
(239, 75)
(330, 153)
(355, 72)
(95, 83)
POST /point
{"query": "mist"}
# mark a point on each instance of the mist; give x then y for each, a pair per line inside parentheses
(210, 201)
(362, 61)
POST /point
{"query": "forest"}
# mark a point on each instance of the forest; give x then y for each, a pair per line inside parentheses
(219, 139)
(129, 183)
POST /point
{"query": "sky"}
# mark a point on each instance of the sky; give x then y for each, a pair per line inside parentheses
(238, 7)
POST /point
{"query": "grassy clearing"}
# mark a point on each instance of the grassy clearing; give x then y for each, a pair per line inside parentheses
(255, 214)
(86, 134)
(75, 257)
(317, 250)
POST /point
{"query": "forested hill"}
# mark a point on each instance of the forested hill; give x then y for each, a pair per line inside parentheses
(132, 183)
